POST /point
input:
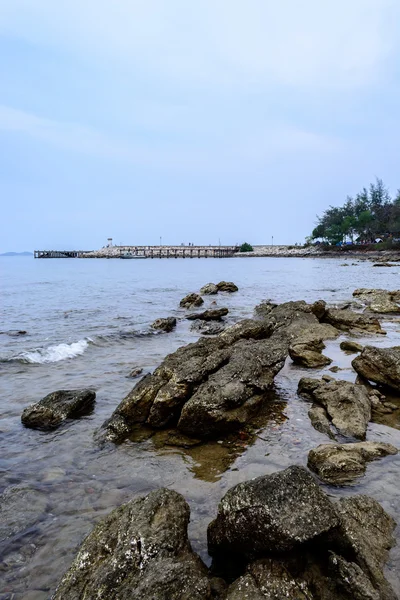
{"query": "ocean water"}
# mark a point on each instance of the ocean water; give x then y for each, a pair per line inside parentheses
(87, 324)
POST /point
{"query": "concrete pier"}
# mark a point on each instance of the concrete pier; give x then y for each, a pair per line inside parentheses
(143, 251)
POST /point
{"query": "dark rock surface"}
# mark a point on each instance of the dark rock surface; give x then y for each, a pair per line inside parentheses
(209, 288)
(227, 286)
(380, 365)
(57, 407)
(213, 314)
(208, 327)
(140, 551)
(339, 464)
(347, 320)
(347, 405)
(191, 300)
(166, 325)
(350, 346)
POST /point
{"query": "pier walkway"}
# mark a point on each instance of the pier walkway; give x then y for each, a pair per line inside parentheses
(144, 251)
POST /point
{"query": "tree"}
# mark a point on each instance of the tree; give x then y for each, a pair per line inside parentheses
(245, 247)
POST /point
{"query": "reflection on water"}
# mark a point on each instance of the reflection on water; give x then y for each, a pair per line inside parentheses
(82, 482)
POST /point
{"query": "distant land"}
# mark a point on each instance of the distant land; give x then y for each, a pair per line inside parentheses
(17, 254)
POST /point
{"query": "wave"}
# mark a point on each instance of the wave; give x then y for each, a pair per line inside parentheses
(53, 354)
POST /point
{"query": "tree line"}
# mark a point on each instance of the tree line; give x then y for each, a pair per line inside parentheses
(371, 214)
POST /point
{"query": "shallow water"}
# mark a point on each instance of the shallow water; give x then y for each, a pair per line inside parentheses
(87, 324)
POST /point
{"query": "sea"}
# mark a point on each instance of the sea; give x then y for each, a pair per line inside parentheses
(87, 324)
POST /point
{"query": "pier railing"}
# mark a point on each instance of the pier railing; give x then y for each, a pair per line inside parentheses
(144, 251)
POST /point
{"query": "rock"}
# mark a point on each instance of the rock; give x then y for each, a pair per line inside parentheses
(347, 405)
(383, 264)
(191, 300)
(166, 325)
(263, 309)
(272, 513)
(378, 300)
(15, 332)
(319, 420)
(57, 407)
(335, 369)
(349, 346)
(207, 327)
(209, 288)
(339, 464)
(213, 314)
(319, 309)
(268, 579)
(227, 286)
(347, 320)
(380, 365)
(344, 265)
(136, 372)
(139, 551)
(21, 507)
(306, 350)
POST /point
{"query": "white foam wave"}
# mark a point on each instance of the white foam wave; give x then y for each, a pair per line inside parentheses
(54, 353)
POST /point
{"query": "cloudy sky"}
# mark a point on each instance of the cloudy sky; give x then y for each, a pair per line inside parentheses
(192, 120)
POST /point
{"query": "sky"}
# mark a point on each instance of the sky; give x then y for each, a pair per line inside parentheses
(205, 121)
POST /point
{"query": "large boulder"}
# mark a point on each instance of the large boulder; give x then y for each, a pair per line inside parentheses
(347, 405)
(209, 289)
(166, 324)
(191, 300)
(339, 464)
(57, 407)
(380, 365)
(213, 314)
(272, 513)
(350, 346)
(347, 320)
(139, 551)
(227, 286)
(378, 300)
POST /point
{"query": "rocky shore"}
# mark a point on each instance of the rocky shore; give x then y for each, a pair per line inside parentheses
(279, 535)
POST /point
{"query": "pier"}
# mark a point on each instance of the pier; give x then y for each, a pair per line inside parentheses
(144, 252)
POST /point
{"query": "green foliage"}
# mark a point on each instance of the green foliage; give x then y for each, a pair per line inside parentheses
(371, 214)
(246, 247)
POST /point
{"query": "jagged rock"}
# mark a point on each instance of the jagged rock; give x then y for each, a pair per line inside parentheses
(227, 286)
(207, 327)
(319, 420)
(139, 551)
(263, 309)
(339, 464)
(21, 507)
(378, 300)
(209, 288)
(306, 350)
(191, 300)
(272, 513)
(380, 365)
(347, 405)
(347, 320)
(349, 346)
(213, 314)
(319, 309)
(136, 372)
(57, 407)
(166, 325)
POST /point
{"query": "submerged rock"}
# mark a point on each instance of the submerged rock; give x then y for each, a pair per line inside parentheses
(213, 314)
(347, 320)
(166, 325)
(207, 327)
(339, 464)
(140, 551)
(378, 300)
(347, 405)
(227, 286)
(136, 372)
(380, 365)
(350, 346)
(209, 288)
(57, 407)
(21, 507)
(191, 300)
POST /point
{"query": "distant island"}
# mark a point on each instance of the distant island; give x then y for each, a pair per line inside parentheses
(17, 254)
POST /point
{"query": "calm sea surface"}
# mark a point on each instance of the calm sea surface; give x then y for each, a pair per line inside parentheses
(88, 324)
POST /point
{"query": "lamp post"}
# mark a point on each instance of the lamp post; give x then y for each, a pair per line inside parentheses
(160, 240)
(272, 240)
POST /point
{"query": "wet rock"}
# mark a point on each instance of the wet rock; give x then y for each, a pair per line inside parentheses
(349, 346)
(207, 327)
(347, 405)
(383, 264)
(306, 350)
(347, 320)
(136, 372)
(319, 420)
(268, 579)
(272, 513)
(191, 300)
(213, 314)
(166, 325)
(15, 332)
(209, 288)
(263, 309)
(227, 286)
(339, 464)
(318, 308)
(378, 300)
(21, 507)
(139, 551)
(380, 365)
(57, 407)
(335, 369)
